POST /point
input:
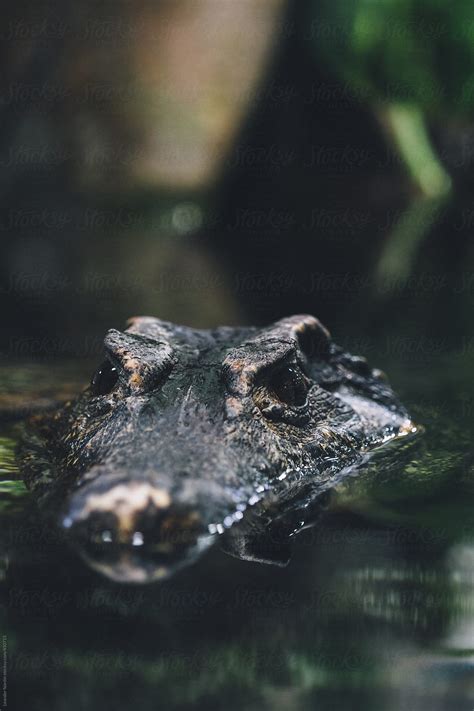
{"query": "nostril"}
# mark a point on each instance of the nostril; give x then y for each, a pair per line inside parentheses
(169, 532)
(166, 533)
(134, 532)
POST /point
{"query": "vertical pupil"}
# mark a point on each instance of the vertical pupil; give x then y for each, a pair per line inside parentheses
(105, 378)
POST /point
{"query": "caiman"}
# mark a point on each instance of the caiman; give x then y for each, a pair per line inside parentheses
(186, 437)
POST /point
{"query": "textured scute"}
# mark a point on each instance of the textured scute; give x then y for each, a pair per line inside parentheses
(193, 414)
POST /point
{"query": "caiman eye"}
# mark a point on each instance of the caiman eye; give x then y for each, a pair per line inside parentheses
(288, 384)
(104, 379)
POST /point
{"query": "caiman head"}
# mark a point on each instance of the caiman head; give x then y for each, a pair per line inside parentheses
(182, 431)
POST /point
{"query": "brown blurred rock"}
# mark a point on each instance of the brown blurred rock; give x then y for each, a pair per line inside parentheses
(155, 92)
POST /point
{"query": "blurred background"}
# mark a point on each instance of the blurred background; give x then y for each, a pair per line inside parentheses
(209, 161)
(235, 161)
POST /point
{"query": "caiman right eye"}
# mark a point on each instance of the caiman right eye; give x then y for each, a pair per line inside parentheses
(104, 379)
(289, 386)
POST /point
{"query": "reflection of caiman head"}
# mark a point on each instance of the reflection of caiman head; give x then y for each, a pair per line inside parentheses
(181, 431)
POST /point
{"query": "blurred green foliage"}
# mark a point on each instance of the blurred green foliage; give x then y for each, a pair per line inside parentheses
(416, 51)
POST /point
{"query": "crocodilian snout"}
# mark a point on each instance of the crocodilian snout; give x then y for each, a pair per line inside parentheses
(134, 531)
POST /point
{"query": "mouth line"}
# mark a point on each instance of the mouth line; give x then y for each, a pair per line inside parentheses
(406, 430)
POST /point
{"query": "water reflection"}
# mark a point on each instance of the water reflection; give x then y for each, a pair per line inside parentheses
(374, 611)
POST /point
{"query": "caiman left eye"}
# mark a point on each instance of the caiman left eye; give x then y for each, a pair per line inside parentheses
(104, 379)
(289, 385)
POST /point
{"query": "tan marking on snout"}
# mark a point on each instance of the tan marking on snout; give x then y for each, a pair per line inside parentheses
(126, 501)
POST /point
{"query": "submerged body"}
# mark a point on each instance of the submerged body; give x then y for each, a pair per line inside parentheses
(182, 432)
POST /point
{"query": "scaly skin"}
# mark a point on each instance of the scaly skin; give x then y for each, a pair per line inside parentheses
(199, 427)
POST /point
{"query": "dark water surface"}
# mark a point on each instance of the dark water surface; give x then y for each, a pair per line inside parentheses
(374, 611)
